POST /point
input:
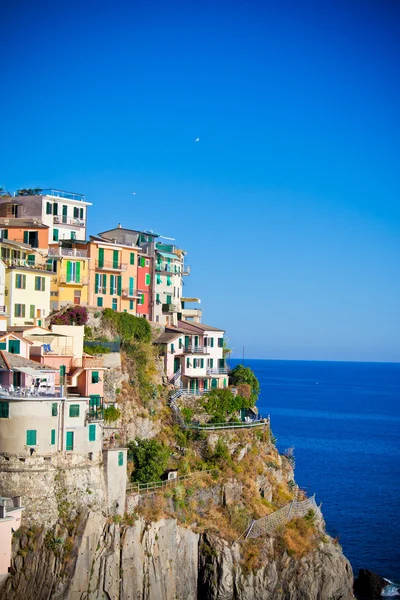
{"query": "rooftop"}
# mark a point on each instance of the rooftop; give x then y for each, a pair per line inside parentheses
(32, 223)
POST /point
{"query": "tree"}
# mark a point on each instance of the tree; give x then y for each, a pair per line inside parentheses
(150, 459)
(241, 374)
(221, 403)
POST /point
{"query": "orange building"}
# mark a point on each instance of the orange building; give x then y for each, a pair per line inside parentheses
(27, 231)
(113, 275)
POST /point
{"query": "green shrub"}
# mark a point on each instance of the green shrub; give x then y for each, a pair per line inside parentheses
(240, 375)
(98, 349)
(128, 327)
(187, 414)
(111, 414)
(221, 403)
(150, 459)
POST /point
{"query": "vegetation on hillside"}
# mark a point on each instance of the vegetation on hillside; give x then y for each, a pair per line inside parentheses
(244, 375)
(73, 315)
(222, 404)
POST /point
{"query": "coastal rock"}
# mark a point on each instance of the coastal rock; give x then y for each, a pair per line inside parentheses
(369, 585)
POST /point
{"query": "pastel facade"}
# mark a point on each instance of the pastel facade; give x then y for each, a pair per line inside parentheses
(65, 213)
(194, 356)
(3, 308)
(113, 275)
(27, 231)
(10, 521)
(69, 262)
(145, 286)
(169, 269)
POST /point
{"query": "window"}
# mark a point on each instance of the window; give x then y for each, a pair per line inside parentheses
(14, 346)
(113, 285)
(115, 259)
(211, 363)
(40, 284)
(70, 441)
(169, 299)
(95, 377)
(4, 234)
(172, 349)
(64, 213)
(195, 361)
(55, 208)
(220, 342)
(159, 279)
(211, 344)
(131, 286)
(3, 345)
(92, 432)
(141, 299)
(120, 459)
(100, 302)
(169, 282)
(49, 208)
(53, 437)
(131, 305)
(54, 409)
(74, 410)
(158, 298)
(147, 262)
(55, 235)
(180, 343)
(114, 304)
(73, 271)
(221, 363)
(119, 285)
(100, 285)
(132, 258)
(76, 212)
(148, 279)
(19, 311)
(202, 363)
(4, 410)
(142, 261)
(31, 260)
(187, 362)
(73, 235)
(20, 282)
(31, 437)
(81, 214)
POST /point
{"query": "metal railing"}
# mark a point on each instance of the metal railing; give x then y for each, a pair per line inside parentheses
(170, 308)
(267, 524)
(191, 349)
(32, 392)
(217, 371)
(72, 252)
(95, 414)
(111, 266)
(67, 280)
(130, 294)
(153, 486)
(21, 262)
(3, 310)
(65, 220)
(62, 194)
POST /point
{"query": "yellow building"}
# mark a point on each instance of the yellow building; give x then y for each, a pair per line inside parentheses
(27, 284)
(113, 275)
(69, 264)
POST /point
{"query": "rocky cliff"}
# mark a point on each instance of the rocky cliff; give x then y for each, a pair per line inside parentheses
(164, 561)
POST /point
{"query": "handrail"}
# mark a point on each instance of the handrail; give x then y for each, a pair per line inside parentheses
(144, 488)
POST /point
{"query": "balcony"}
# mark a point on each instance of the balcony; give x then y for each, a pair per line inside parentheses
(95, 414)
(111, 266)
(21, 262)
(64, 280)
(190, 349)
(64, 220)
(170, 308)
(220, 371)
(130, 293)
(186, 270)
(70, 252)
(62, 194)
(3, 310)
(167, 268)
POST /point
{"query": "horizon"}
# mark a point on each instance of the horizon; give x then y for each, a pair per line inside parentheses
(261, 136)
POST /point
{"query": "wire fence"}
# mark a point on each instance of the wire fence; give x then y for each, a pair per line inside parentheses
(271, 522)
(153, 486)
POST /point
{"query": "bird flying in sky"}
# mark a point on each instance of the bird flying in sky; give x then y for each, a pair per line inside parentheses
(197, 140)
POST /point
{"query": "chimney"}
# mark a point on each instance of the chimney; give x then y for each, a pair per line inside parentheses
(119, 225)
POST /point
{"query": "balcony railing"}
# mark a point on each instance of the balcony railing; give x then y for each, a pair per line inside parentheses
(191, 349)
(20, 262)
(111, 266)
(217, 371)
(170, 308)
(95, 414)
(64, 279)
(3, 310)
(167, 268)
(130, 293)
(186, 270)
(65, 220)
(62, 194)
(72, 252)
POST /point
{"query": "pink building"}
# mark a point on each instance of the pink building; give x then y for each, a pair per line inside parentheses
(10, 521)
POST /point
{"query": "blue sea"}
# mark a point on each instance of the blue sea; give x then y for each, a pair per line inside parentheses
(343, 420)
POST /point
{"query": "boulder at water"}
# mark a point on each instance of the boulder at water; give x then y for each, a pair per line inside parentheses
(369, 585)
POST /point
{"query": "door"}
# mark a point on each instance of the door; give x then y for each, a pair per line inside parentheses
(177, 364)
(70, 440)
(187, 341)
(64, 213)
(196, 341)
(214, 383)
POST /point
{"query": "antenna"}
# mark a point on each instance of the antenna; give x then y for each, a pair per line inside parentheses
(243, 355)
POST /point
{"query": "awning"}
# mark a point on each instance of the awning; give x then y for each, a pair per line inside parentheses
(30, 371)
(168, 255)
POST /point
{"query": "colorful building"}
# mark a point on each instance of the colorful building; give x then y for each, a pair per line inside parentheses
(145, 286)
(69, 262)
(31, 232)
(65, 213)
(27, 284)
(169, 269)
(113, 275)
(194, 356)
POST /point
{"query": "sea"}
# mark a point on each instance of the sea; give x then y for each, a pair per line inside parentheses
(343, 421)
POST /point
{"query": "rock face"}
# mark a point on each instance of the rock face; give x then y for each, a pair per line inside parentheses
(369, 585)
(163, 561)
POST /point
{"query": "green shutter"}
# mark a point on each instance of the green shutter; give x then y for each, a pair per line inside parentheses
(95, 377)
(101, 257)
(3, 345)
(96, 283)
(26, 237)
(53, 437)
(115, 259)
(69, 270)
(31, 259)
(49, 208)
(55, 235)
(4, 410)
(24, 282)
(32, 311)
(78, 272)
(104, 284)
(64, 210)
(5, 234)
(119, 291)
(100, 302)
(148, 278)
(14, 346)
(74, 410)
(76, 212)
(112, 284)
(158, 298)
(92, 432)
(131, 285)
(202, 363)
(131, 305)
(54, 409)
(169, 299)
(70, 440)
(211, 363)
(120, 459)
(132, 258)
(31, 437)
(212, 342)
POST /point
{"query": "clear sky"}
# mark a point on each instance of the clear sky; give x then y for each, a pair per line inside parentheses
(288, 206)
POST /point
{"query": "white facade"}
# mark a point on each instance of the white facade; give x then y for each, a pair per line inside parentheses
(169, 269)
(65, 214)
(28, 295)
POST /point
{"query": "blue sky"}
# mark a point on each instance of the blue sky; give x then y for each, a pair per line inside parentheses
(288, 206)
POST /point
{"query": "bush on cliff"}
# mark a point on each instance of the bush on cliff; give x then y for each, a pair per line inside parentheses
(150, 460)
(221, 404)
(244, 375)
(74, 315)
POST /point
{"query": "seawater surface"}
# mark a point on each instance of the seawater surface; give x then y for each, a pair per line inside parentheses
(343, 420)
